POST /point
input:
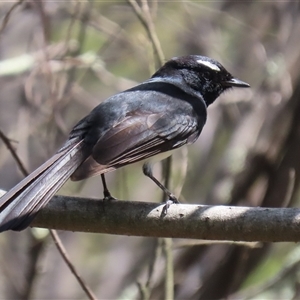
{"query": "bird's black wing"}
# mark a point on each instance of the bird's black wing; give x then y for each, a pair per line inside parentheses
(138, 136)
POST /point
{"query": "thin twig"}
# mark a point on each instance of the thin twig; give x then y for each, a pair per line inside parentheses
(12, 150)
(53, 233)
(168, 242)
(145, 289)
(290, 188)
(67, 260)
(169, 270)
(7, 16)
(154, 258)
(144, 15)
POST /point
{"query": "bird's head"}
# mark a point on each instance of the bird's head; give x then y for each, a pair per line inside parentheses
(199, 74)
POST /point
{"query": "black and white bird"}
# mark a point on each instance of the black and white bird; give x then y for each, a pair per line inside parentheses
(159, 115)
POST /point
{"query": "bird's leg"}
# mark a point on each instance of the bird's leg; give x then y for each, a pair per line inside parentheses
(106, 193)
(147, 170)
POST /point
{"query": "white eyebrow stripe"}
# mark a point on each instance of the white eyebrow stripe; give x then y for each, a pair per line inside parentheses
(209, 64)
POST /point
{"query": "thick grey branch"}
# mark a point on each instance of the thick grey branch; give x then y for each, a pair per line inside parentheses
(181, 221)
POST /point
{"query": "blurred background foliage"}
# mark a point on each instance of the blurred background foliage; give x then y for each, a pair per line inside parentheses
(59, 59)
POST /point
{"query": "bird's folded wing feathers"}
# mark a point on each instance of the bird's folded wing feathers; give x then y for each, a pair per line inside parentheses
(137, 137)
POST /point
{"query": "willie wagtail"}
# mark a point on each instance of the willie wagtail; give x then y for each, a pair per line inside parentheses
(159, 115)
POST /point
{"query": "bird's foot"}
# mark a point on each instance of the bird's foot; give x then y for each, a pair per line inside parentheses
(108, 196)
(172, 200)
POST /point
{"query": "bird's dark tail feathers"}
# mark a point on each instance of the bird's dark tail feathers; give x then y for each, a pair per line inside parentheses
(20, 205)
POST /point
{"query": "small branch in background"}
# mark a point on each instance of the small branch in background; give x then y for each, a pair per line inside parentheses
(12, 150)
(7, 16)
(146, 289)
(167, 243)
(290, 188)
(85, 12)
(67, 260)
(169, 271)
(35, 249)
(44, 18)
(144, 15)
(73, 17)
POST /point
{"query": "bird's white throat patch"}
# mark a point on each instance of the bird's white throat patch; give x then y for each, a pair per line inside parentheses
(209, 64)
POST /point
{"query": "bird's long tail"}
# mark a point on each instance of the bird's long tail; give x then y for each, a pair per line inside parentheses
(20, 205)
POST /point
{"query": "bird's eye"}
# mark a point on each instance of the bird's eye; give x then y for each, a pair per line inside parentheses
(207, 75)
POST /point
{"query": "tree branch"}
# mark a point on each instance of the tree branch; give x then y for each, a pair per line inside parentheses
(60, 247)
(8, 14)
(144, 15)
(181, 221)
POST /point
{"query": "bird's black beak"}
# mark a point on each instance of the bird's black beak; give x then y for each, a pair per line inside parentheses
(235, 82)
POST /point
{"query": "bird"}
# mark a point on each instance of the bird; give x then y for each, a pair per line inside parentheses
(153, 118)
